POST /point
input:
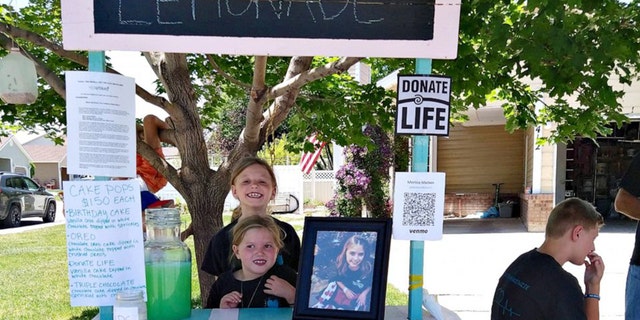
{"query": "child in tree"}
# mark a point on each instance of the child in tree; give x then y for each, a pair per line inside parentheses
(153, 180)
(259, 282)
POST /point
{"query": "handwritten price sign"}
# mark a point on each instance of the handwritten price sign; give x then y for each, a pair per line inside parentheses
(104, 240)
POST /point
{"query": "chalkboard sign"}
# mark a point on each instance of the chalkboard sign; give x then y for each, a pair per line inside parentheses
(394, 28)
(336, 19)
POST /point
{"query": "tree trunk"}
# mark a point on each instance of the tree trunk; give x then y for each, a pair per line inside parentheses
(205, 199)
(205, 190)
(206, 204)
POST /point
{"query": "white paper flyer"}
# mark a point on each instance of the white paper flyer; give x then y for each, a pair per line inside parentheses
(101, 124)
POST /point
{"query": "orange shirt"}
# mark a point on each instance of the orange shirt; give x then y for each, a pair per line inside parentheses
(154, 180)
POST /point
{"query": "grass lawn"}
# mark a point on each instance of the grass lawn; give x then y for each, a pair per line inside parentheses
(35, 284)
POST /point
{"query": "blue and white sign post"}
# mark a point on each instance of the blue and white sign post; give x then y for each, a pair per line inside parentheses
(423, 110)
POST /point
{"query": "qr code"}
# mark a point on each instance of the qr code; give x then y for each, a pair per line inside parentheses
(419, 209)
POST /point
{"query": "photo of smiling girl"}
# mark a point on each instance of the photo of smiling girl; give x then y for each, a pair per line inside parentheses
(350, 286)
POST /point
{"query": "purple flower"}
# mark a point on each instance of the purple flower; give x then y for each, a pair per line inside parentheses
(355, 177)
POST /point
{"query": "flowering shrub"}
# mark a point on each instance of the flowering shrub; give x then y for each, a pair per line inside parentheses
(355, 180)
(364, 179)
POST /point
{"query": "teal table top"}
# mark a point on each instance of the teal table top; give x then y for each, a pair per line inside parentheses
(391, 312)
(242, 314)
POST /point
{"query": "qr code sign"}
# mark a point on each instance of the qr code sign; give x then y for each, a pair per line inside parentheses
(419, 209)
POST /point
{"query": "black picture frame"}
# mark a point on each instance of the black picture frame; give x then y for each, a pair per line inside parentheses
(321, 272)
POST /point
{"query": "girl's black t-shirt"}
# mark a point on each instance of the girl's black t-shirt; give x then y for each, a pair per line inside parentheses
(216, 259)
(253, 295)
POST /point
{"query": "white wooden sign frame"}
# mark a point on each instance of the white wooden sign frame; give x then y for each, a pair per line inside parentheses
(78, 34)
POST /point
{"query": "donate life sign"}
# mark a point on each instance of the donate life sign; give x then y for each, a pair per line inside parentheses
(424, 103)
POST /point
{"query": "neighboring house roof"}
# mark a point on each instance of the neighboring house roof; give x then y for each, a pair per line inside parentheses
(4, 140)
(25, 137)
(7, 142)
(30, 139)
(49, 154)
(41, 149)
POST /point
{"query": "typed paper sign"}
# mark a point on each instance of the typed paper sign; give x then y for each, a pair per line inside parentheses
(101, 124)
(418, 205)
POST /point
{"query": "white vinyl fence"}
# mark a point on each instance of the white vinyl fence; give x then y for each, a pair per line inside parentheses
(317, 187)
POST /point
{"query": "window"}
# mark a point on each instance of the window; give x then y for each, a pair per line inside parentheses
(30, 184)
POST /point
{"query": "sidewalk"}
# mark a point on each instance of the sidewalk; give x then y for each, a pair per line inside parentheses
(463, 268)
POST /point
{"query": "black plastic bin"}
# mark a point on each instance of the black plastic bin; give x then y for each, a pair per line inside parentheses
(505, 209)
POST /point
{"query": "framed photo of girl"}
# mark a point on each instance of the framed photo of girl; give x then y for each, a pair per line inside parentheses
(343, 268)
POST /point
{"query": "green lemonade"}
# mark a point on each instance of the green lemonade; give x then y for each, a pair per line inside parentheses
(168, 290)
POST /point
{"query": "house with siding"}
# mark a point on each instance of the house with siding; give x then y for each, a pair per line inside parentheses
(480, 153)
(49, 159)
(13, 157)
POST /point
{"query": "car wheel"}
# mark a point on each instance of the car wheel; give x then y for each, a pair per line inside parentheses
(50, 213)
(14, 217)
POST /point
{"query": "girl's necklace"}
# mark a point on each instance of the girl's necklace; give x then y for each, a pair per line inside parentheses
(254, 291)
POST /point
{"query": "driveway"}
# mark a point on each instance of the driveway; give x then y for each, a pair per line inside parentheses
(463, 268)
(36, 223)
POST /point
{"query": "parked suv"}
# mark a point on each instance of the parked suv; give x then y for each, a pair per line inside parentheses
(21, 197)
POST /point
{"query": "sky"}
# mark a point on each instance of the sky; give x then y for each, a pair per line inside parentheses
(132, 64)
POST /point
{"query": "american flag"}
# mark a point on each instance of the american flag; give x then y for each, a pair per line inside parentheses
(309, 159)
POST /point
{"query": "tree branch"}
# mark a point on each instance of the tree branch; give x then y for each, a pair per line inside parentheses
(38, 40)
(297, 76)
(149, 97)
(280, 108)
(225, 75)
(314, 74)
(163, 167)
(53, 79)
(257, 99)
